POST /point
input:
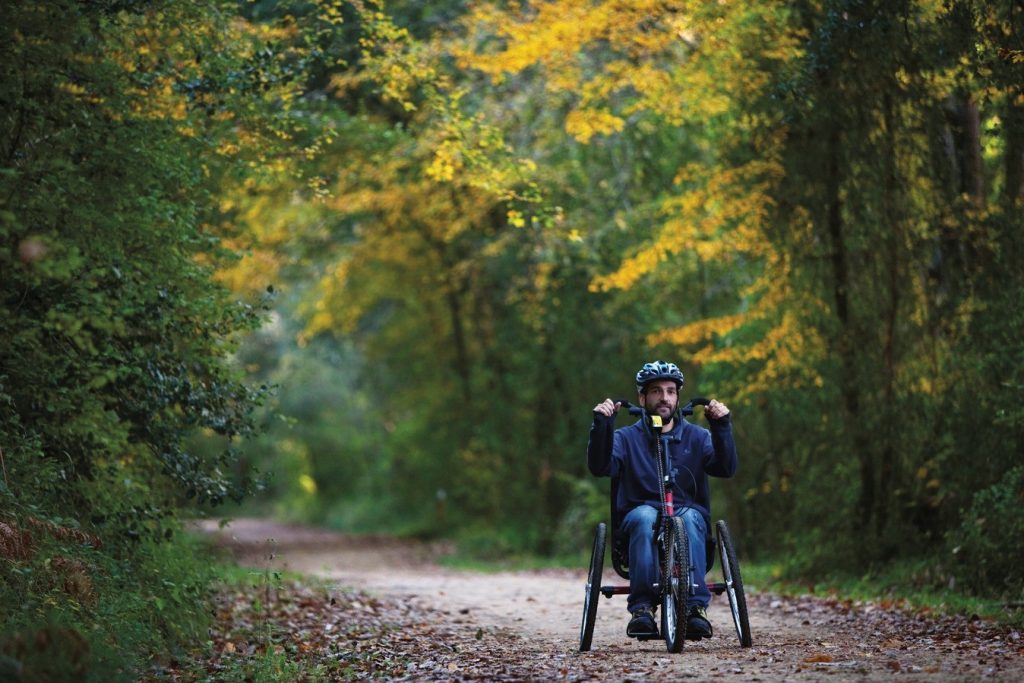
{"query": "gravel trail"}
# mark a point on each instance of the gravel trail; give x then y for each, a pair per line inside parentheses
(524, 625)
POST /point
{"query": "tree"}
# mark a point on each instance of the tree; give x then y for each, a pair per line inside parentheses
(121, 124)
(802, 191)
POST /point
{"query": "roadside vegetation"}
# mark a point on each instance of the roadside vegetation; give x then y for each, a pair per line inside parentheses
(124, 124)
(375, 262)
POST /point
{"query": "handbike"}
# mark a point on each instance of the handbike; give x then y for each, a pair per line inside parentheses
(676, 582)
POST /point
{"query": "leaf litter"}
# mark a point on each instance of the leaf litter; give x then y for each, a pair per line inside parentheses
(329, 632)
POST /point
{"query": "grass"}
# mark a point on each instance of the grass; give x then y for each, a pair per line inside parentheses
(909, 584)
(915, 585)
(513, 562)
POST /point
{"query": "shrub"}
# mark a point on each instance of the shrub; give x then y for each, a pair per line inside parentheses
(990, 541)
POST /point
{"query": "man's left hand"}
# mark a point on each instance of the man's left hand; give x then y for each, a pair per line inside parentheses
(715, 410)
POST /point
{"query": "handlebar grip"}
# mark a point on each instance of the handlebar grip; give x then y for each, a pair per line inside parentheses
(633, 409)
(686, 409)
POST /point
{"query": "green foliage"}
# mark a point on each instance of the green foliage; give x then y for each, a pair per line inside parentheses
(588, 505)
(74, 613)
(990, 539)
(319, 459)
(116, 335)
(122, 124)
(482, 226)
(820, 225)
(922, 585)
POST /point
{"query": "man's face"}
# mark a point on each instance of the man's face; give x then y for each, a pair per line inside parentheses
(661, 398)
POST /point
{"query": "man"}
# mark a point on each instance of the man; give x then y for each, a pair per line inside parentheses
(629, 454)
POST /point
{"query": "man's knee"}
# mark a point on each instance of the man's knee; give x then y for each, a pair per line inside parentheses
(694, 520)
(696, 526)
(640, 519)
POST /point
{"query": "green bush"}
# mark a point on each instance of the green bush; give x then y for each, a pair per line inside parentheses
(75, 612)
(117, 339)
(589, 505)
(990, 541)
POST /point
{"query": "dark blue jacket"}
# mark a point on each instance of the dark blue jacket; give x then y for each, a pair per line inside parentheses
(628, 453)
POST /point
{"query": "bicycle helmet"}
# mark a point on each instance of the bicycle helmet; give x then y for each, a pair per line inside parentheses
(651, 372)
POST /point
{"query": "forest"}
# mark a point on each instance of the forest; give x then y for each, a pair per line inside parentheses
(370, 265)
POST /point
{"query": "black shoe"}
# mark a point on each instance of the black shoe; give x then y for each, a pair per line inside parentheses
(697, 624)
(642, 625)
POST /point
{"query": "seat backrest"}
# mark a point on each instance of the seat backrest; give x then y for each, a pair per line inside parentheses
(709, 551)
(620, 545)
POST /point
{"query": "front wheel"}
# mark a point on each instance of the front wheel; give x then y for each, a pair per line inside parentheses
(733, 584)
(593, 588)
(675, 584)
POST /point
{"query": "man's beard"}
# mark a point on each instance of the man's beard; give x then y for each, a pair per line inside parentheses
(666, 410)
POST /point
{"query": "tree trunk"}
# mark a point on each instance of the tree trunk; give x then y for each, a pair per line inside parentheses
(974, 176)
(894, 282)
(846, 341)
(963, 146)
(454, 290)
(1014, 164)
(461, 361)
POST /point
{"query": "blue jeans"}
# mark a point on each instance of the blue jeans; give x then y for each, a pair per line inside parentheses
(644, 571)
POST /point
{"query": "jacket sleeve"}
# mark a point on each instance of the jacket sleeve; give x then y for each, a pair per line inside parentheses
(720, 459)
(599, 448)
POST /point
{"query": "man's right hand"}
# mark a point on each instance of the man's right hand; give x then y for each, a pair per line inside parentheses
(607, 407)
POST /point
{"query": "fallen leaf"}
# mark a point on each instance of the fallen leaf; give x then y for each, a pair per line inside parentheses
(818, 658)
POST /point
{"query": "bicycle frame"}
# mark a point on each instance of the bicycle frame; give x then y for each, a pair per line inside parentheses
(673, 556)
(652, 422)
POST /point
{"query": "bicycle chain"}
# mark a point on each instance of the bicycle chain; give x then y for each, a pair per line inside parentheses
(661, 470)
(664, 509)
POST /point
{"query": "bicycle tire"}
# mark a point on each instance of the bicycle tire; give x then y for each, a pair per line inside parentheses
(734, 584)
(675, 585)
(593, 588)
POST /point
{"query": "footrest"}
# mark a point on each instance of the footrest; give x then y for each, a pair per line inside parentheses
(609, 591)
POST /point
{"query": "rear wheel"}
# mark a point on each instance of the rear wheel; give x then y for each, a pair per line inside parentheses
(675, 582)
(733, 584)
(593, 588)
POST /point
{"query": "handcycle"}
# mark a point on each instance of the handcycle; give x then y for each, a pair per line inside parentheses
(676, 582)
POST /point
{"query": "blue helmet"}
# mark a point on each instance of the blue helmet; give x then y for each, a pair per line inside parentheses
(651, 372)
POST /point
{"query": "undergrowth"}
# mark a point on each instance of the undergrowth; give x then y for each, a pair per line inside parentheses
(918, 585)
(72, 612)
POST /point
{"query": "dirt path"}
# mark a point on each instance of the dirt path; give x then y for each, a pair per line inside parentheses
(525, 625)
